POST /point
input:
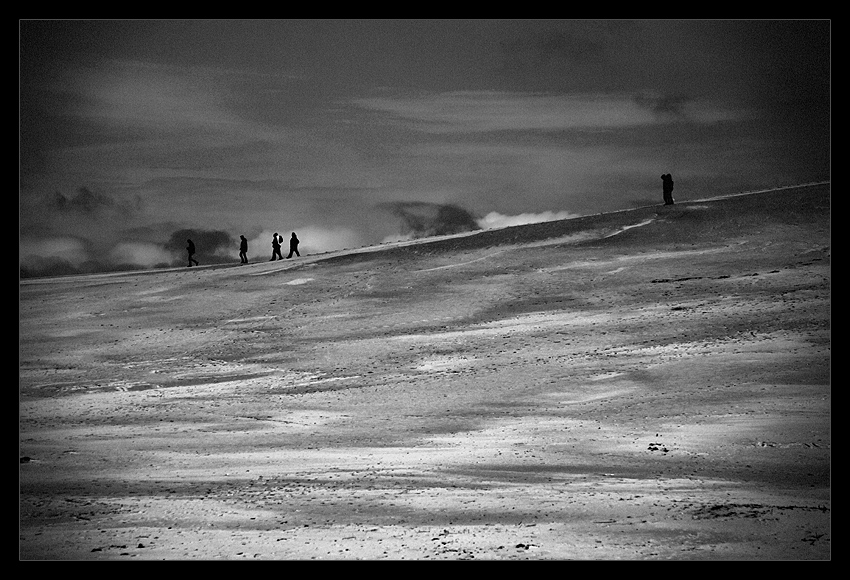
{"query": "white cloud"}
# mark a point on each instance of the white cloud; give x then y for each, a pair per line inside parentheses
(498, 111)
(483, 111)
(139, 253)
(72, 250)
(168, 99)
(497, 220)
(315, 239)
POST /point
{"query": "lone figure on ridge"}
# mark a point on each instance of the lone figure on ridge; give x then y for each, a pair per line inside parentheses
(667, 180)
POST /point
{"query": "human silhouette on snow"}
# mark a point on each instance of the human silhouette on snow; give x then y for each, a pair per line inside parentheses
(667, 181)
(276, 248)
(243, 250)
(191, 249)
(293, 246)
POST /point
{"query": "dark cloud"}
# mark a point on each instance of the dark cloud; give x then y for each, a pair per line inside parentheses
(85, 201)
(560, 54)
(212, 246)
(85, 213)
(671, 105)
(421, 219)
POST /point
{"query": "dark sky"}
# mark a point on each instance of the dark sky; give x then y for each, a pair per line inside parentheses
(133, 130)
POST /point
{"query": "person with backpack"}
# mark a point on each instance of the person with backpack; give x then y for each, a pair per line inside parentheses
(276, 248)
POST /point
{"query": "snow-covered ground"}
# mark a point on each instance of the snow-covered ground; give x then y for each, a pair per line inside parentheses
(646, 384)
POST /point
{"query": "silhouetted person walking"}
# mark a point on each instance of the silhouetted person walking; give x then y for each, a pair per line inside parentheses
(276, 248)
(667, 181)
(243, 250)
(191, 249)
(293, 246)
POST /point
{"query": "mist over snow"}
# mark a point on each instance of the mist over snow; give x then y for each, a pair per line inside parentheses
(496, 220)
(423, 219)
(72, 250)
(144, 254)
(89, 232)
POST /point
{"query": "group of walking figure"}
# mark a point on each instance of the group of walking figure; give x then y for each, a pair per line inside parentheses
(277, 240)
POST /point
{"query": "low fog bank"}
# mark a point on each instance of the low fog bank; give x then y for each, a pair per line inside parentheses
(66, 255)
(90, 233)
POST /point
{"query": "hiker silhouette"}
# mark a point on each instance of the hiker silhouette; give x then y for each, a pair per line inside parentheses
(667, 181)
(191, 249)
(276, 248)
(293, 246)
(243, 250)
